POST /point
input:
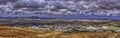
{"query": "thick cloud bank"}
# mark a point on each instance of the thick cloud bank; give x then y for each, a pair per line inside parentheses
(61, 7)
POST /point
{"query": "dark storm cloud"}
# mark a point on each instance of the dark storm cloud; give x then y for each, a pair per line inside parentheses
(6, 1)
(29, 4)
(109, 4)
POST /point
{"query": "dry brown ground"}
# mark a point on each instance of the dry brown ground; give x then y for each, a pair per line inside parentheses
(10, 32)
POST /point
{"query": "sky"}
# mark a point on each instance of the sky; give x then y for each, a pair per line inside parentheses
(62, 9)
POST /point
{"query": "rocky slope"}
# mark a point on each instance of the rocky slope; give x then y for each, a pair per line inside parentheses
(10, 32)
(64, 25)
